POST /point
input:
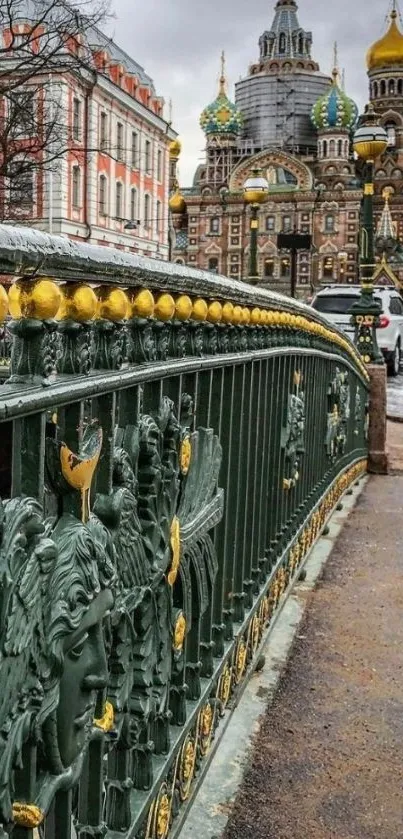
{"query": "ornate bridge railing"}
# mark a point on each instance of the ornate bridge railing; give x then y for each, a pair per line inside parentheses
(172, 446)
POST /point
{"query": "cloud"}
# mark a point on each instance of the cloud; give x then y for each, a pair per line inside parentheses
(179, 43)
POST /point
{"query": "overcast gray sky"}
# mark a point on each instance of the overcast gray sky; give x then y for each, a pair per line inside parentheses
(179, 44)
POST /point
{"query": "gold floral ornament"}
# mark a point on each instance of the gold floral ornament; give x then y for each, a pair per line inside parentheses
(3, 304)
(240, 661)
(254, 635)
(163, 817)
(187, 768)
(27, 815)
(206, 727)
(107, 721)
(185, 455)
(175, 550)
(39, 300)
(179, 633)
(224, 686)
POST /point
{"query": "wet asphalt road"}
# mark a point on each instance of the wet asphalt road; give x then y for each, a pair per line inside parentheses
(395, 395)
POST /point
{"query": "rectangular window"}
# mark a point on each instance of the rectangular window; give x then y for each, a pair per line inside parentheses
(135, 150)
(215, 225)
(286, 224)
(270, 224)
(76, 187)
(147, 213)
(119, 142)
(22, 117)
(147, 157)
(76, 119)
(133, 205)
(159, 165)
(158, 217)
(269, 267)
(103, 131)
(21, 187)
(119, 201)
(102, 195)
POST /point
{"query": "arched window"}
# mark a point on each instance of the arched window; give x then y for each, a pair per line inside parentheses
(400, 87)
(214, 225)
(340, 148)
(329, 223)
(213, 264)
(301, 44)
(332, 148)
(119, 201)
(375, 90)
(147, 208)
(103, 199)
(282, 44)
(390, 128)
(383, 88)
(328, 267)
(76, 187)
(268, 268)
(391, 87)
(158, 217)
(324, 148)
(346, 148)
(133, 204)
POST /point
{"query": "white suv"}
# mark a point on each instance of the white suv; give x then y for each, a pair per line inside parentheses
(335, 302)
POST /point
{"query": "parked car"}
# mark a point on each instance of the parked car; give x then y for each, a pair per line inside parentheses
(335, 302)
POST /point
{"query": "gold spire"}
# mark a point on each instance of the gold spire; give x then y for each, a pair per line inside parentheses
(336, 71)
(223, 79)
(389, 49)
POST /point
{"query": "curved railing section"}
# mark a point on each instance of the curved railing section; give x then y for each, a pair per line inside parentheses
(173, 444)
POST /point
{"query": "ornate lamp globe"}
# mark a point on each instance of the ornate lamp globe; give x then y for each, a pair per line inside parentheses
(256, 188)
(370, 140)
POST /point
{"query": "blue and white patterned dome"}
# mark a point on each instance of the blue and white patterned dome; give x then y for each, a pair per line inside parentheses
(335, 109)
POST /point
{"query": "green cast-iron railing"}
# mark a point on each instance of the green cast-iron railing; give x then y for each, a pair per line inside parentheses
(172, 446)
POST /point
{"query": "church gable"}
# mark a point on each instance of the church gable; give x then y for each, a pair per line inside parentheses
(283, 172)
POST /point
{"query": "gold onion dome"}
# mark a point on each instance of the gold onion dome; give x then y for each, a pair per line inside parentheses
(177, 203)
(175, 148)
(221, 116)
(388, 51)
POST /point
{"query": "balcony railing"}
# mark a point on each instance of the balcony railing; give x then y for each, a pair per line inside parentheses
(173, 444)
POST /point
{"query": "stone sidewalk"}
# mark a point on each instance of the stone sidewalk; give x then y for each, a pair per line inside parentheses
(328, 759)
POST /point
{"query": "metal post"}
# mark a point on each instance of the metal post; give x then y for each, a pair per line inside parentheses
(294, 255)
(254, 225)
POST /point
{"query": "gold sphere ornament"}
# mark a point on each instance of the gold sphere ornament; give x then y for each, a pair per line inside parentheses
(175, 148)
(237, 314)
(39, 300)
(14, 301)
(256, 316)
(3, 304)
(113, 305)
(79, 303)
(177, 203)
(165, 307)
(143, 304)
(245, 315)
(200, 309)
(183, 307)
(215, 312)
(228, 312)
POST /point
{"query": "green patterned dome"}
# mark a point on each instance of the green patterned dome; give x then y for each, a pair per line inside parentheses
(335, 109)
(221, 116)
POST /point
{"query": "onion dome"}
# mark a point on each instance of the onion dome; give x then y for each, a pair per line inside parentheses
(175, 148)
(388, 51)
(221, 116)
(177, 203)
(335, 109)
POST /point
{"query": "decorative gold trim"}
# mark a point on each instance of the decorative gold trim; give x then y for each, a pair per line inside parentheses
(176, 551)
(106, 723)
(179, 633)
(27, 815)
(185, 455)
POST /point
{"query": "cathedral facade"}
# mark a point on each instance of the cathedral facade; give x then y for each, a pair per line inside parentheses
(295, 124)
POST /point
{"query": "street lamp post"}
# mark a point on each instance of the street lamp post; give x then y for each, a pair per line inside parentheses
(255, 192)
(370, 141)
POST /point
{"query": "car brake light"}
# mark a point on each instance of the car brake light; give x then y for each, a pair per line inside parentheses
(384, 321)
